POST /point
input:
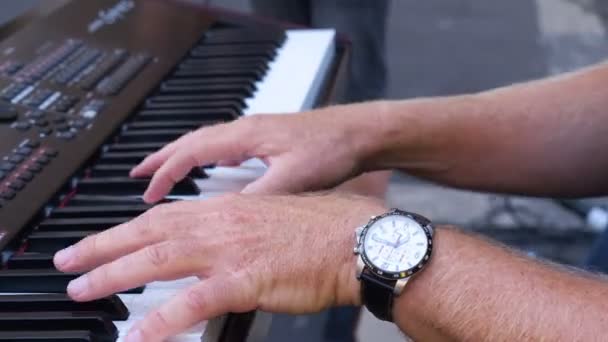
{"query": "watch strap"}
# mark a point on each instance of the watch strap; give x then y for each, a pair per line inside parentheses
(377, 295)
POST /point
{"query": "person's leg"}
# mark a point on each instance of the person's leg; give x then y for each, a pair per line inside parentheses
(293, 11)
(364, 22)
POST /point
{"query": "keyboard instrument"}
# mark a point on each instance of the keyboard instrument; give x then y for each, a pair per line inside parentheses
(87, 92)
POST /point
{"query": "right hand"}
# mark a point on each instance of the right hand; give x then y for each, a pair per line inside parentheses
(305, 152)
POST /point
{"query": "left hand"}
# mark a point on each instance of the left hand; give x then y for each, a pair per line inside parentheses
(289, 254)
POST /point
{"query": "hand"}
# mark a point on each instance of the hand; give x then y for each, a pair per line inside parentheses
(304, 152)
(289, 254)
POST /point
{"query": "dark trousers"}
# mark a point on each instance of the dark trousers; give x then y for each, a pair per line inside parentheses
(363, 21)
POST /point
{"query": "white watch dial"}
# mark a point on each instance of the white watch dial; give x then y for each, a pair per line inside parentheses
(395, 243)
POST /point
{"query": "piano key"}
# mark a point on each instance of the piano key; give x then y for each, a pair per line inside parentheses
(194, 97)
(132, 147)
(244, 89)
(123, 157)
(112, 306)
(177, 124)
(93, 224)
(223, 114)
(29, 261)
(236, 105)
(130, 186)
(238, 35)
(122, 170)
(49, 336)
(88, 200)
(40, 281)
(165, 135)
(229, 50)
(98, 324)
(120, 211)
(219, 72)
(259, 64)
(51, 242)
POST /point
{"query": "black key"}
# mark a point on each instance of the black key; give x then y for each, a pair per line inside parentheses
(91, 224)
(253, 70)
(89, 200)
(40, 281)
(217, 72)
(133, 147)
(111, 306)
(98, 324)
(178, 124)
(123, 157)
(111, 170)
(203, 115)
(165, 135)
(259, 64)
(195, 97)
(29, 261)
(244, 89)
(230, 50)
(122, 170)
(236, 105)
(239, 35)
(121, 211)
(49, 336)
(130, 186)
(53, 241)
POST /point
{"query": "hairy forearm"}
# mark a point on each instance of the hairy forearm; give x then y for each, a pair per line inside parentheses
(542, 138)
(473, 290)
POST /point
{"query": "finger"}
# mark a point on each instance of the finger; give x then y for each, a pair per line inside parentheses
(152, 162)
(163, 261)
(106, 246)
(208, 299)
(179, 164)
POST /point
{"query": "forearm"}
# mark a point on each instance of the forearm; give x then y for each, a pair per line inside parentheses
(543, 138)
(475, 291)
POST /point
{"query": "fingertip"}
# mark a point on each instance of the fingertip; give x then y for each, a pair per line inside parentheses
(64, 258)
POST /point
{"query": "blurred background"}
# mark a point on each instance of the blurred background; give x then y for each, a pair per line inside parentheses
(441, 47)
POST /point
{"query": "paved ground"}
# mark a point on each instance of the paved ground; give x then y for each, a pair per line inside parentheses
(440, 47)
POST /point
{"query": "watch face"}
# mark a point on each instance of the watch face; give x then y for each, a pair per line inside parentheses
(395, 244)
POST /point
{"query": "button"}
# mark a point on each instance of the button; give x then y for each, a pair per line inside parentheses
(42, 160)
(6, 166)
(25, 176)
(66, 135)
(31, 144)
(35, 115)
(22, 125)
(34, 168)
(41, 123)
(51, 152)
(7, 194)
(16, 158)
(24, 151)
(78, 123)
(59, 120)
(16, 185)
(45, 132)
(62, 128)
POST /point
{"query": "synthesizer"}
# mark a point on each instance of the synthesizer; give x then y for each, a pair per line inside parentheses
(87, 92)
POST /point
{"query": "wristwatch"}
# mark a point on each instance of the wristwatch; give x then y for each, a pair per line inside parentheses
(391, 248)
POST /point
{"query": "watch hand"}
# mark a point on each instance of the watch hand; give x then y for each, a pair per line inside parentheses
(378, 239)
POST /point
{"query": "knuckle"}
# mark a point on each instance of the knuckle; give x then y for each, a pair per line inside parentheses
(196, 301)
(157, 255)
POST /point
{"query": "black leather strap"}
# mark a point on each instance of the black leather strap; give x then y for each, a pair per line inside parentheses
(377, 295)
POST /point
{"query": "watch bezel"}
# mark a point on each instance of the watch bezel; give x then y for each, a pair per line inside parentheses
(426, 227)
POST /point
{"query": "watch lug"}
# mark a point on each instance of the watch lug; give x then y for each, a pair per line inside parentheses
(360, 267)
(399, 286)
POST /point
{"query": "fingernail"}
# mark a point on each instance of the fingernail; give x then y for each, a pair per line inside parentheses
(135, 336)
(64, 256)
(78, 286)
